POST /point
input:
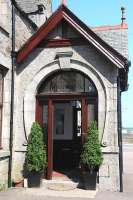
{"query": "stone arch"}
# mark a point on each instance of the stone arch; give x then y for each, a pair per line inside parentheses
(44, 72)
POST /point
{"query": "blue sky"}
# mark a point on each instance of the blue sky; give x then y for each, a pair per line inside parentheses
(103, 12)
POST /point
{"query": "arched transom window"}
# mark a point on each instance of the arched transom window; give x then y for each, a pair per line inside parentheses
(67, 82)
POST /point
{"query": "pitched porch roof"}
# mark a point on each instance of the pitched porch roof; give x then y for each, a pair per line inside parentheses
(64, 13)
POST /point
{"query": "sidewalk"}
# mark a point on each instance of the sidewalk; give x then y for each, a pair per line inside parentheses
(34, 194)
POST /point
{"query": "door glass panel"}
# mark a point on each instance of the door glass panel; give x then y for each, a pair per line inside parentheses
(78, 123)
(59, 121)
(63, 121)
(78, 113)
(91, 113)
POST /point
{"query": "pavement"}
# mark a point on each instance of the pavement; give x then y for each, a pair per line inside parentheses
(43, 194)
(128, 168)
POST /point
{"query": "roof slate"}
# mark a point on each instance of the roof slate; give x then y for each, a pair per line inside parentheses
(27, 5)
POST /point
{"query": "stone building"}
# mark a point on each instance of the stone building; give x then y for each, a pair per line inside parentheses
(66, 75)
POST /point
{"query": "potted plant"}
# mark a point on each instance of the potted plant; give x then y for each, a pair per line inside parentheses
(36, 158)
(91, 157)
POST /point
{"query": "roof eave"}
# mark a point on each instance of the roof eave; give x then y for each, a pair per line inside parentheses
(63, 12)
(123, 74)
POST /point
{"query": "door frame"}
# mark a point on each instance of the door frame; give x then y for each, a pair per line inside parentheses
(50, 98)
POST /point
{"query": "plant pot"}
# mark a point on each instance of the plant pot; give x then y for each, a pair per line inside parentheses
(34, 179)
(89, 180)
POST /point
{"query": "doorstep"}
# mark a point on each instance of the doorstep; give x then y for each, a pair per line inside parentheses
(60, 185)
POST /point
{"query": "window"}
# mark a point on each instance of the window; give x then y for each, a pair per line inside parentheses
(1, 102)
(68, 81)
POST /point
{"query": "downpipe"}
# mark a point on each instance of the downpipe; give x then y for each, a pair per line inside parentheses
(13, 58)
(120, 134)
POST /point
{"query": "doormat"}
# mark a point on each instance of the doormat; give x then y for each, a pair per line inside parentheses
(61, 186)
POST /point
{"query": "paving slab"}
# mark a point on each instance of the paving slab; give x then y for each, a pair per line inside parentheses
(36, 194)
(75, 193)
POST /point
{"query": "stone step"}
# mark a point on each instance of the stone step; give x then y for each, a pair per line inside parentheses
(59, 185)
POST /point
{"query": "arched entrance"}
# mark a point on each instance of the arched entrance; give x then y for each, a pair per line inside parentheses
(66, 103)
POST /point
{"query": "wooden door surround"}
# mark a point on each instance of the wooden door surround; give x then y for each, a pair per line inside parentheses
(50, 98)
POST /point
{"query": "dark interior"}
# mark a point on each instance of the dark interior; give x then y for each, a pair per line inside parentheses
(66, 155)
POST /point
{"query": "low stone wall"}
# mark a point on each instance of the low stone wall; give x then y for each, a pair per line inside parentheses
(4, 162)
(109, 172)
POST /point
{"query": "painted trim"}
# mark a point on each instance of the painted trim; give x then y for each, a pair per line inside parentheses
(64, 13)
(63, 43)
(50, 140)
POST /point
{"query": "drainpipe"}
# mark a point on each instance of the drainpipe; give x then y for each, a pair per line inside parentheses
(120, 134)
(13, 56)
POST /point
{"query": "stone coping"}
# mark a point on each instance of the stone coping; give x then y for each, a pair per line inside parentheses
(110, 149)
(4, 28)
(4, 154)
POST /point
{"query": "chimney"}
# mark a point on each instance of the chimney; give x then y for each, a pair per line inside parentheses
(123, 18)
(64, 2)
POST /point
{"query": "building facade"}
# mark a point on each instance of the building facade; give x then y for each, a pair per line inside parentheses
(65, 76)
